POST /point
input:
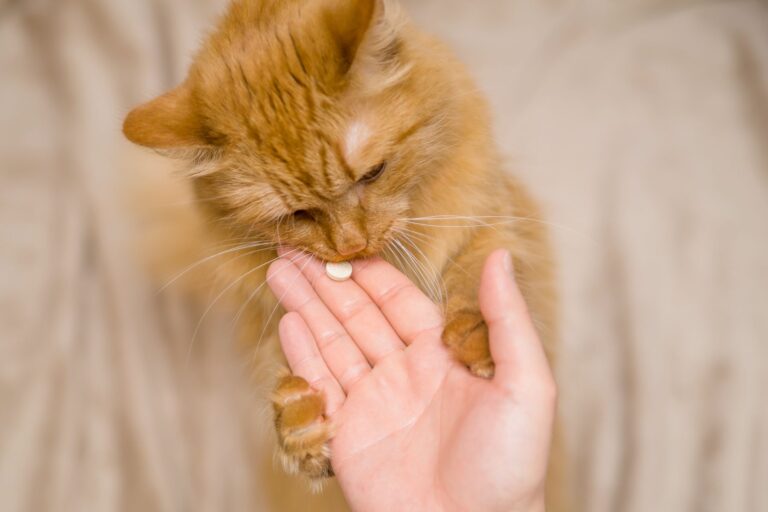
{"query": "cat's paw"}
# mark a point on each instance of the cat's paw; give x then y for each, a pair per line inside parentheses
(302, 430)
(466, 334)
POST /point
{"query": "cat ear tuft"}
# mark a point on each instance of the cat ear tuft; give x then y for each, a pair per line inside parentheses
(369, 32)
(348, 22)
(167, 122)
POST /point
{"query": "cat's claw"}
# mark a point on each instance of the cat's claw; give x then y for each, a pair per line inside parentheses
(302, 430)
(484, 369)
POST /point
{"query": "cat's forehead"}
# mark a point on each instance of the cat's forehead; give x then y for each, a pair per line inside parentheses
(316, 173)
(356, 136)
(272, 104)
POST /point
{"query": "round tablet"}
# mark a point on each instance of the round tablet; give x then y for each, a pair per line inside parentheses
(339, 271)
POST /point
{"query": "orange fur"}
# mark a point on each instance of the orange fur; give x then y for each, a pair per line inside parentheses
(284, 121)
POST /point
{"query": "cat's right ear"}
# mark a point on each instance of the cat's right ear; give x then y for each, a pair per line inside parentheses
(170, 121)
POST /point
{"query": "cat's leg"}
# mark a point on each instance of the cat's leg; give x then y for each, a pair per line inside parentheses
(302, 430)
(466, 333)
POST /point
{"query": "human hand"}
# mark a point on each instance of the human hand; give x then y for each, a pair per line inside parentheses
(414, 430)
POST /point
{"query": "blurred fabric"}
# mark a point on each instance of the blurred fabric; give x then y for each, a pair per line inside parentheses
(642, 126)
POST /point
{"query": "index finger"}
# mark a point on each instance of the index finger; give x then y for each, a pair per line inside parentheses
(406, 307)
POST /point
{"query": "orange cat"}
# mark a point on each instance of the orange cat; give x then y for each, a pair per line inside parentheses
(336, 127)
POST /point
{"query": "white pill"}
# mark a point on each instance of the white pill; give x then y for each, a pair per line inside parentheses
(338, 271)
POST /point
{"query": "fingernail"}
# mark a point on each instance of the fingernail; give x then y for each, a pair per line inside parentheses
(508, 263)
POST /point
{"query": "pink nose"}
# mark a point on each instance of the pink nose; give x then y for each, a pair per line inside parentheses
(352, 248)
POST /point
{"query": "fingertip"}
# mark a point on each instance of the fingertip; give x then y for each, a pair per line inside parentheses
(497, 285)
(308, 264)
(500, 263)
(289, 324)
(507, 262)
(275, 269)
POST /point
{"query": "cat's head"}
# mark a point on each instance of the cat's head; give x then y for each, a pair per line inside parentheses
(310, 123)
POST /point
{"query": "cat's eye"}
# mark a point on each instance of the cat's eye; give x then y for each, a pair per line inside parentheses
(303, 215)
(374, 174)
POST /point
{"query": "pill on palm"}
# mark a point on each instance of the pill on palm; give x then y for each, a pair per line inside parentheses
(338, 271)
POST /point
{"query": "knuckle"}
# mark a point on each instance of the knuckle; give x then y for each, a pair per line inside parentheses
(285, 321)
(352, 374)
(329, 337)
(307, 365)
(354, 308)
(394, 293)
(308, 303)
(321, 383)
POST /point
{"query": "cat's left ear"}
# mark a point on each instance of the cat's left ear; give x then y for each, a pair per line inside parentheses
(367, 32)
(348, 22)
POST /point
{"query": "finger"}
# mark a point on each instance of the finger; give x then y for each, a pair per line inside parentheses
(305, 360)
(515, 346)
(344, 359)
(404, 305)
(352, 306)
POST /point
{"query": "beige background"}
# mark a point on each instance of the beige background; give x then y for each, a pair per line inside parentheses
(643, 127)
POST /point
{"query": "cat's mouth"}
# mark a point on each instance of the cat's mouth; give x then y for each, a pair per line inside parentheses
(373, 248)
(376, 245)
(327, 254)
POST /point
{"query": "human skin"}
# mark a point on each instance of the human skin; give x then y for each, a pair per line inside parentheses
(413, 429)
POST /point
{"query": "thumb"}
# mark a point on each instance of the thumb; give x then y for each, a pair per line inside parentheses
(515, 346)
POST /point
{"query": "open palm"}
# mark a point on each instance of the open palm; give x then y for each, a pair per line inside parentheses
(414, 430)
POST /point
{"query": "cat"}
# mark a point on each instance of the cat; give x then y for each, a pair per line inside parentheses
(338, 128)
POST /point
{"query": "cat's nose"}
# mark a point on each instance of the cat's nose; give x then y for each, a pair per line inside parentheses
(349, 236)
(352, 247)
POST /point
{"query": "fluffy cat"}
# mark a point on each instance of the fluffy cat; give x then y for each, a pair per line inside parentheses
(336, 127)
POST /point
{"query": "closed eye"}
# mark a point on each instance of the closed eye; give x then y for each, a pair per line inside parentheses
(303, 215)
(374, 174)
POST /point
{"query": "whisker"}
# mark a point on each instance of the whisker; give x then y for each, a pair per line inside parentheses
(242, 308)
(277, 305)
(242, 247)
(422, 277)
(277, 230)
(500, 220)
(437, 287)
(421, 236)
(451, 260)
(189, 202)
(221, 294)
(392, 257)
(435, 271)
(404, 267)
(462, 226)
(428, 284)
